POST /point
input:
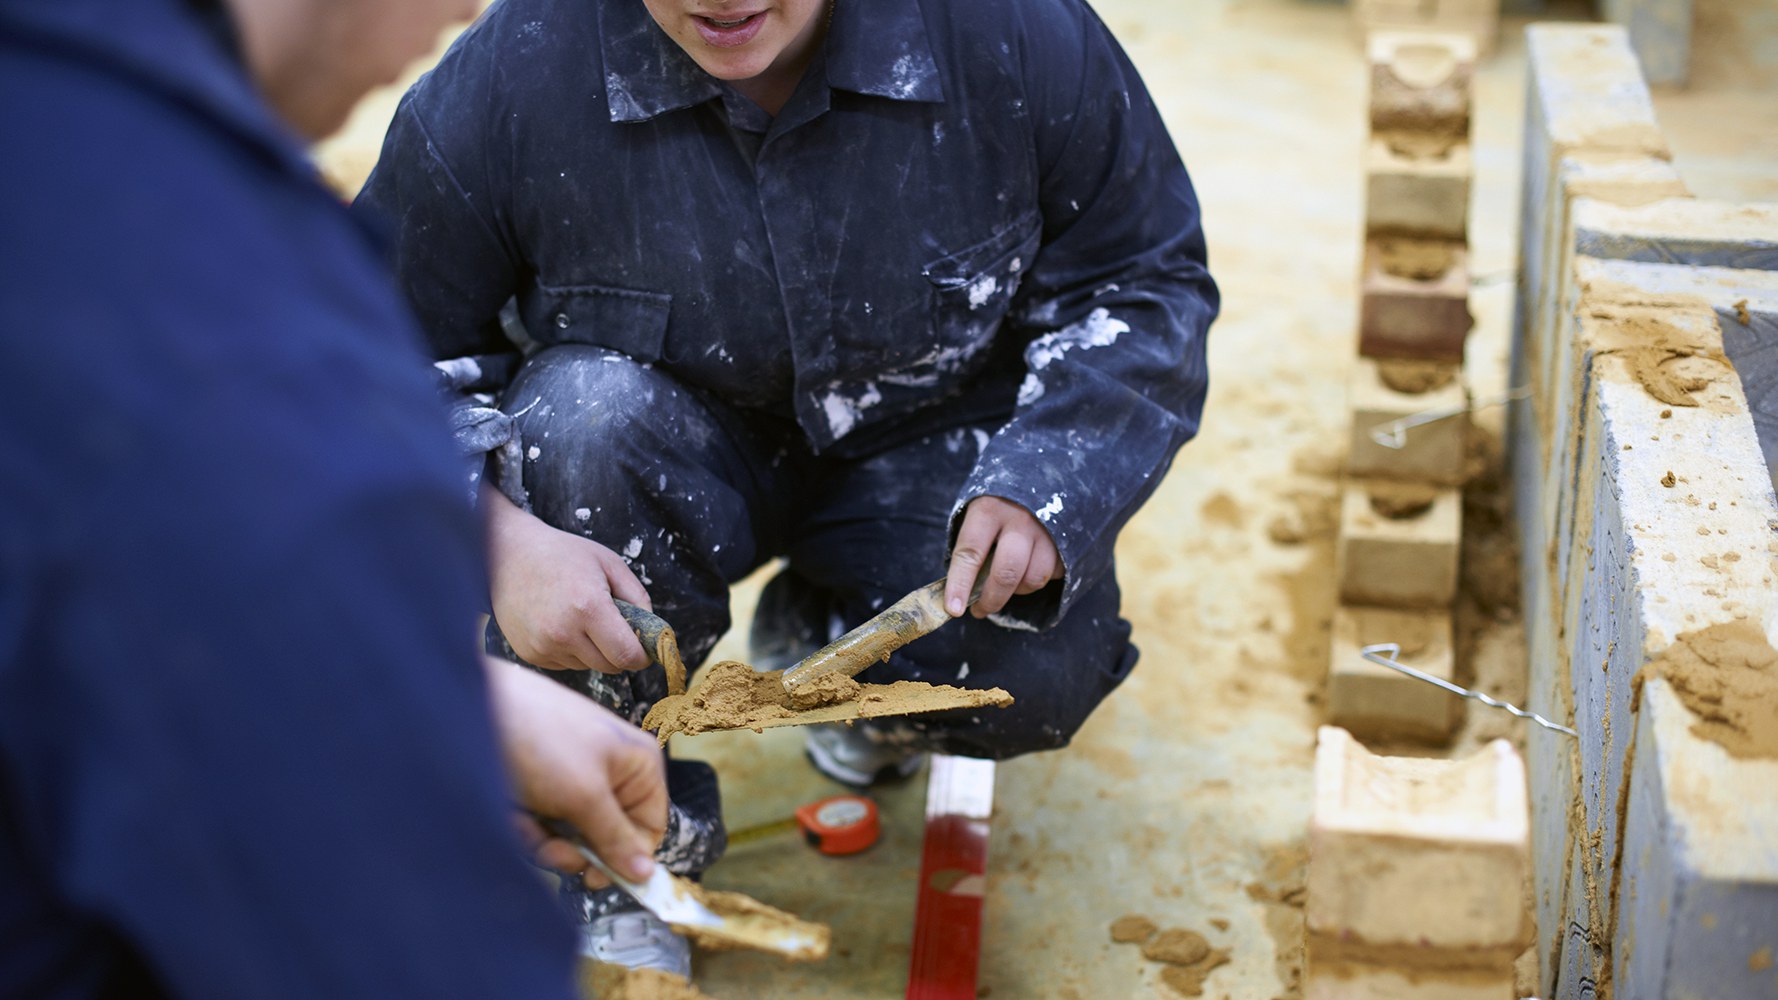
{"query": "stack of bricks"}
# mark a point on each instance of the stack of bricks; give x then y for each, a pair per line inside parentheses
(1401, 513)
(1416, 868)
(1477, 20)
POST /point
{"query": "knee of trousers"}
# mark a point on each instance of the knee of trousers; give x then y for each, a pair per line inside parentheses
(598, 429)
(1057, 678)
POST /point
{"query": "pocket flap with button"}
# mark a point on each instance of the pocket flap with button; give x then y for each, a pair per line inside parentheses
(622, 319)
(991, 257)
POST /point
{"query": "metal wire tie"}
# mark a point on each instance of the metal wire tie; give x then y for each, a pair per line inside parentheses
(1384, 654)
(1394, 434)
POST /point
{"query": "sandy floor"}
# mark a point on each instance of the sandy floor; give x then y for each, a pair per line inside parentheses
(1186, 797)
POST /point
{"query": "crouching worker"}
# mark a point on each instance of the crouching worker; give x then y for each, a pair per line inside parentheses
(889, 289)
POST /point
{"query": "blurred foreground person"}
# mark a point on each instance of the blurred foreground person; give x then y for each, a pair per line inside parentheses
(246, 749)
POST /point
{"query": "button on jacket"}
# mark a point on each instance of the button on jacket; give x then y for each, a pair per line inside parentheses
(967, 209)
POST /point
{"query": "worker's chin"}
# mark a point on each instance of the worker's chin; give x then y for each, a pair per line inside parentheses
(735, 67)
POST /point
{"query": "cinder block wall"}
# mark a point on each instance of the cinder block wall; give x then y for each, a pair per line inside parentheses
(1650, 537)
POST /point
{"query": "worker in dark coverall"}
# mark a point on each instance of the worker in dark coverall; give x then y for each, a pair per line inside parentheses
(890, 289)
(246, 749)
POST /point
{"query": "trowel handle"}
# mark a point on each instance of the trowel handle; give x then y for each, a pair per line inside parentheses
(895, 626)
(658, 641)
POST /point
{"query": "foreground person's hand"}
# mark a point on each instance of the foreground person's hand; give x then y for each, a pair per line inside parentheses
(570, 759)
(551, 592)
(1024, 556)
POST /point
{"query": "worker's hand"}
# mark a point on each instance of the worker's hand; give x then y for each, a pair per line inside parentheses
(551, 592)
(572, 760)
(1024, 556)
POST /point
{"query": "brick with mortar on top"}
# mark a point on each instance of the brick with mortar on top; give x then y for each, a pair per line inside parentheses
(1418, 182)
(1476, 20)
(1409, 310)
(1375, 702)
(1412, 858)
(1382, 392)
(1421, 81)
(1398, 544)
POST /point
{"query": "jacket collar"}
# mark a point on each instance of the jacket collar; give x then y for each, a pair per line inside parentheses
(876, 47)
(168, 46)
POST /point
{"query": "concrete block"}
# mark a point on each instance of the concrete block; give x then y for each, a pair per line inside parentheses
(1587, 108)
(1680, 231)
(1660, 32)
(1587, 92)
(1581, 175)
(1665, 540)
(1417, 183)
(1421, 82)
(1699, 894)
(1409, 308)
(1399, 544)
(1421, 854)
(1381, 392)
(1373, 702)
(1746, 307)
(1590, 131)
(1356, 981)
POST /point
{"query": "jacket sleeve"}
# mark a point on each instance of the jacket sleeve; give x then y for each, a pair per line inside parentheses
(1115, 309)
(438, 195)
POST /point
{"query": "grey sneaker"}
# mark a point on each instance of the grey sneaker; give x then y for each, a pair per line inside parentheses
(860, 754)
(637, 939)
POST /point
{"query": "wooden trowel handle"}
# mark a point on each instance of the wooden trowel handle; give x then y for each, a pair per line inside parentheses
(897, 625)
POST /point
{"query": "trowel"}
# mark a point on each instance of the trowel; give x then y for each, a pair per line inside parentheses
(682, 904)
(892, 628)
(772, 694)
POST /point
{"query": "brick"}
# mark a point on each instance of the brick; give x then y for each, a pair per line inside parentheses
(1407, 315)
(1373, 702)
(1434, 452)
(1421, 81)
(1406, 557)
(1358, 981)
(1476, 20)
(1418, 853)
(1660, 32)
(1418, 184)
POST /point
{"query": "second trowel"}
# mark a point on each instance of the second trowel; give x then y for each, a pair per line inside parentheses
(894, 627)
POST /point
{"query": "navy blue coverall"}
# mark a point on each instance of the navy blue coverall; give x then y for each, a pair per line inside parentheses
(245, 749)
(963, 260)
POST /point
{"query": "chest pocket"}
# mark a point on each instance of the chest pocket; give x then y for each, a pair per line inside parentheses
(625, 320)
(972, 288)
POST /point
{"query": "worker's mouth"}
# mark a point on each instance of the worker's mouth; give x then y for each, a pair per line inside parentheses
(730, 32)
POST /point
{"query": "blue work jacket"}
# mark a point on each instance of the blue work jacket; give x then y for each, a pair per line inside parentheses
(968, 210)
(245, 748)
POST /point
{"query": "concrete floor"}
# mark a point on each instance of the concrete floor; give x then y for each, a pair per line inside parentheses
(1186, 797)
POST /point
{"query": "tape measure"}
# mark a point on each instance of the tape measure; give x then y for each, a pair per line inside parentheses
(842, 824)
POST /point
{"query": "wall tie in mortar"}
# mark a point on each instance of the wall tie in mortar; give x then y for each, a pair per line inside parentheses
(1394, 434)
(1384, 654)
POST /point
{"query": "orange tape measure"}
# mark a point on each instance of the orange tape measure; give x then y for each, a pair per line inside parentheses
(841, 824)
